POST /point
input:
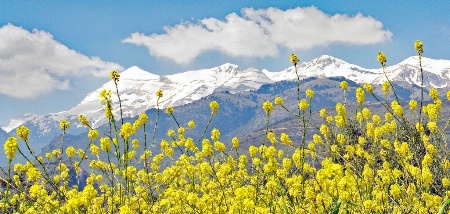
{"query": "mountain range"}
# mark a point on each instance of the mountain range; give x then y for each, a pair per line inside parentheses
(244, 87)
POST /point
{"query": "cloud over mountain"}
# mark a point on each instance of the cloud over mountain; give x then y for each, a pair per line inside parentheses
(261, 33)
(34, 63)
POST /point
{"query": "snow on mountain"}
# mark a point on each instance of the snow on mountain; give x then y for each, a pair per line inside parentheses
(137, 92)
(436, 73)
(326, 66)
(137, 87)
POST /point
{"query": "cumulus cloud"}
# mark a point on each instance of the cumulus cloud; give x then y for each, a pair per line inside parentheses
(34, 63)
(260, 33)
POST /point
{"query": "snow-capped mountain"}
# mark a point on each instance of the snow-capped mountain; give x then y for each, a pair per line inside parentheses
(137, 92)
(436, 73)
(137, 87)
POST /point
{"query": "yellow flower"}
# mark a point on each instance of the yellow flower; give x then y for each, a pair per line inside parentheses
(214, 106)
(127, 130)
(105, 144)
(64, 124)
(303, 105)
(114, 75)
(235, 142)
(309, 93)
(215, 134)
(70, 151)
(252, 151)
(344, 85)
(386, 87)
(445, 182)
(191, 124)
(22, 132)
(219, 146)
(93, 134)
(169, 110)
(279, 101)
(419, 47)
(434, 94)
(285, 139)
(294, 59)
(412, 104)
(83, 120)
(159, 93)
(323, 113)
(360, 95)
(381, 58)
(368, 87)
(11, 147)
(268, 107)
(105, 96)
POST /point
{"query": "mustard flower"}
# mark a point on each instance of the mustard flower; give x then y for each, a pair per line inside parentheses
(445, 182)
(448, 95)
(285, 139)
(294, 59)
(388, 116)
(279, 101)
(169, 110)
(93, 134)
(382, 58)
(303, 105)
(105, 144)
(159, 93)
(219, 146)
(397, 108)
(340, 109)
(135, 143)
(22, 132)
(268, 107)
(432, 127)
(271, 136)
(11, 147)
(323, 113)
(324, 130)
(252, 151)
(340, 121)
(70, 151)
(419, 47)
(127, 130)
(360, 95)
(235, 142)
(64, 125)
(376, 119)
(434, 94)
(215, 134)
(344, 85)
(83, 120)
(105, 96)
(114, 75)
(191, 124)
(143, 118)
(368, 87)
(309, 93)
(412, 104)
(214, 106)
(94, 149)
(386, 87)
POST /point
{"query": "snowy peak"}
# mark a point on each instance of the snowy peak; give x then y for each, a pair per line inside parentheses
(135, 73)
(137, 87)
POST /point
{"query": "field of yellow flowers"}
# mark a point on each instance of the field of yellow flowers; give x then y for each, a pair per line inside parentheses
(396, 163)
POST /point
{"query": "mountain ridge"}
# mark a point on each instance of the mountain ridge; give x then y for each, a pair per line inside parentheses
(137, 87)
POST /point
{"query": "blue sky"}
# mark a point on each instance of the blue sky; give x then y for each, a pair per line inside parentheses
(54, 52)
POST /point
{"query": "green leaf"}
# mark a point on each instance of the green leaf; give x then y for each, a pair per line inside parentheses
(441, 211)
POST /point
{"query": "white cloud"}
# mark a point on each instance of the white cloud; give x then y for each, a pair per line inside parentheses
(260, 33)
(34, 63)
